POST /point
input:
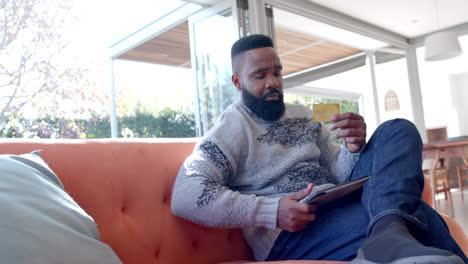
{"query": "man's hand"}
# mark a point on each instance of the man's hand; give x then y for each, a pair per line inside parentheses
(353, 130)
(294, 216)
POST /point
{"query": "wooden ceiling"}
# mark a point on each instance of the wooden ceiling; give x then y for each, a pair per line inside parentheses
(169, 48)
(298, 51)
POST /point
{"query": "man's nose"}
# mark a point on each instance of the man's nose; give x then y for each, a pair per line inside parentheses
(272, 82)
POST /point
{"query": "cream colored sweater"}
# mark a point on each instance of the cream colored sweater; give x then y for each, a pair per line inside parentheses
(244, 165)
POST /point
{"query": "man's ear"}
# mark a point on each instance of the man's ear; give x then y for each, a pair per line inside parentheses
(236, 81)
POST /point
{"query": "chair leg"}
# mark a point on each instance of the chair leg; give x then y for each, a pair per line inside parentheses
(444, 189)
(450, 203)
(460, 180)
(449, 194)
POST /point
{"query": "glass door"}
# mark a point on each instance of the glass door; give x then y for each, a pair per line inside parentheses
(212, 32)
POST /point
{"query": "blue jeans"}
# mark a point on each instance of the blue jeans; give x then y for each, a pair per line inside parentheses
(393, 159)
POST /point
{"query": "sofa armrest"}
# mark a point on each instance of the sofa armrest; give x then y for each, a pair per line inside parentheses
(457, 232)
(287, 262)
(455, 229)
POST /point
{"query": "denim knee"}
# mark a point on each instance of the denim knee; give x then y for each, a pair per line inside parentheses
(403, 130)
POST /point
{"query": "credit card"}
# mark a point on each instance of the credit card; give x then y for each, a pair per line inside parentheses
(324, 112)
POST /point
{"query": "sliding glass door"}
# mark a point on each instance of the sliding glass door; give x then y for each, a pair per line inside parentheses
(212, 32)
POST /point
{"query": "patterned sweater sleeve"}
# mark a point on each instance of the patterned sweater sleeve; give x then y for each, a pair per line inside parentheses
(339, 159)
(201, 192)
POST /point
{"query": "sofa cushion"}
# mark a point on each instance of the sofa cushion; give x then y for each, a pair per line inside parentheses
(40, 222)
(125, 185)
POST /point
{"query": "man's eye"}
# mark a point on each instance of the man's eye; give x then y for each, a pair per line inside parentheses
(260, 76)
(277, 74)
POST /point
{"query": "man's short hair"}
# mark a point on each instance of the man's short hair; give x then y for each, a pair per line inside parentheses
(247, 43)
(250, 42)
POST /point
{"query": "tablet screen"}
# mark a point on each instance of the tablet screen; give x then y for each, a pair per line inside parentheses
(336, 192)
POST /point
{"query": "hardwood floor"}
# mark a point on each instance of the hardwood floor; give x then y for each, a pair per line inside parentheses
(460, 207)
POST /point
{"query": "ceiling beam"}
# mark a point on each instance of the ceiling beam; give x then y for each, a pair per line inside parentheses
(328, 16)
(324, 71)
(383, 57)
(324, 93)
(204, 3)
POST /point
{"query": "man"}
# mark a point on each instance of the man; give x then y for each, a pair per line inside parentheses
(262, 157)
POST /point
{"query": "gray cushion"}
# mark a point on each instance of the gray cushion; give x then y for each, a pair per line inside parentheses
(39, 221)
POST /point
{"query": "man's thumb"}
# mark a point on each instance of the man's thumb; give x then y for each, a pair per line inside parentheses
(299, 195)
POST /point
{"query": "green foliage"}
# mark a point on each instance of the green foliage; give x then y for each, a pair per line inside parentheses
(166, 123)
(345, 106)
(47, 127)
(96, 127)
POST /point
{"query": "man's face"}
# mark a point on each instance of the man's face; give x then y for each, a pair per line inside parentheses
(259, 78)
(269, 110)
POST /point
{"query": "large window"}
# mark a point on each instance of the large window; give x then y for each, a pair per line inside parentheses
(212, 34)
(154, 100)
(53, 72)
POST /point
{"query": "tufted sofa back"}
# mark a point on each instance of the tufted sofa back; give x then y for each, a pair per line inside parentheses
(126, 185)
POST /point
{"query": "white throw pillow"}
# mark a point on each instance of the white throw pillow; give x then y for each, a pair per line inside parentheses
(40, 222)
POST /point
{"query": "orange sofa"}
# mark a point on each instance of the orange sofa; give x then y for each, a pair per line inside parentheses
(126, 184)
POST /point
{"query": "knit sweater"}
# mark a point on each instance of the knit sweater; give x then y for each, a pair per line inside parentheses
(241, 168)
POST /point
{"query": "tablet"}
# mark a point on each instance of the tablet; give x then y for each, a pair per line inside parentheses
(336, 192)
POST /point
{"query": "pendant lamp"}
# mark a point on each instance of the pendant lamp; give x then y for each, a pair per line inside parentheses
(441, 45)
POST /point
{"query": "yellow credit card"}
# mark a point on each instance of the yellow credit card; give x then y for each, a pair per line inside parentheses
(323, 112)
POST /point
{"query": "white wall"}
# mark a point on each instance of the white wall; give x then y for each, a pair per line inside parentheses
(459, 94)
(393, 75)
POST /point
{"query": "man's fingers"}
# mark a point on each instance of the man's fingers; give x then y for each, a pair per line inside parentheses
(306, 208)
(293, 215)
(355, 140)
(348, 123)
(351, 132)
(348, 120)
(299, 195)
(308, 217)
(301, 222)
(347, 115)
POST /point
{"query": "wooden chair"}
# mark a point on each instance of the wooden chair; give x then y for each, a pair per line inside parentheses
(439, 167)
(461, 177)
(442, 184)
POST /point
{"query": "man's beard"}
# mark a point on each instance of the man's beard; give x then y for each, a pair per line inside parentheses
(266, 110)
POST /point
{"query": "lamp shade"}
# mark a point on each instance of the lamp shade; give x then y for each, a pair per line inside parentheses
(442, 45)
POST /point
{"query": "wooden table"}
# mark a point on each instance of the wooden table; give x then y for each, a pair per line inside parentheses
(444, 149)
